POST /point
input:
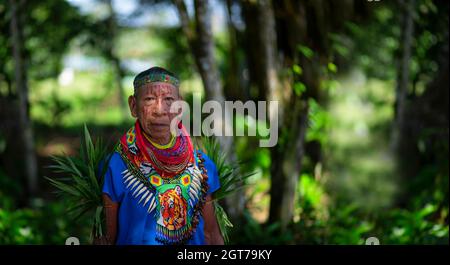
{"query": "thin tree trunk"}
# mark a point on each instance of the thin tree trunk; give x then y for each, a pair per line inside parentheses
(233, 90)
(119, 77)
(403, 72)
(286, 166)
(205, 52)
(288, 155)
(296, 22)
(254, 48)
(269, 59)
(264, 65)
(201, 43)
(119, 72)
(26, 130)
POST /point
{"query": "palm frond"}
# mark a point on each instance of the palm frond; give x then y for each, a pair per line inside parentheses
(83, 180)
(223, 221)
(231, 180)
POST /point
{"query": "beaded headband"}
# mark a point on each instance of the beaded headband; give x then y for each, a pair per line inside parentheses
(141, 80)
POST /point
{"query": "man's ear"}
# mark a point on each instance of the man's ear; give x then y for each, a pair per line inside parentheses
(180, 97)
(132, 103)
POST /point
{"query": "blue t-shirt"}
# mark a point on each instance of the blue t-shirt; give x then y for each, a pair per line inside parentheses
(135, 225)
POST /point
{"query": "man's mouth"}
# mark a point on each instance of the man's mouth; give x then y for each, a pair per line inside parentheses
(159, 125)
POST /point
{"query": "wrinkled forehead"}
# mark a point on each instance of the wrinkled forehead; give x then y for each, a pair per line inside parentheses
(158, 89)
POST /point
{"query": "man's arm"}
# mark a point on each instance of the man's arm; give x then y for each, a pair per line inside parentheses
(111, 209)
(211, 227)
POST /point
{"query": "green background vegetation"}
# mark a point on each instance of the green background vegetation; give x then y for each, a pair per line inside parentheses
(358, 188)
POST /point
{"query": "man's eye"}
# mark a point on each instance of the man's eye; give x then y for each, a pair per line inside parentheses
(149, 98)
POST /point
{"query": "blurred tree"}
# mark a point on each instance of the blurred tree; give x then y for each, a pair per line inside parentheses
(101, 33)
(110, 54)
(177, 54)
(264, 67)
(302, 33)
(260, 40)
(201, 43)
(422, 134)
(6, 72)
(177, 57)
(35, 41)
(25, 136)
(233, 88)
(403, 76)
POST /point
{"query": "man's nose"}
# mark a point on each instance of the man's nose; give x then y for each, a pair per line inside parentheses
(159, 108)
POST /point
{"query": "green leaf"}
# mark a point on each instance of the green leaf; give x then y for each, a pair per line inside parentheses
(306, 51)
(68, 189)
(299, 88)
(223, 221)
(332, 67)
(297, 69)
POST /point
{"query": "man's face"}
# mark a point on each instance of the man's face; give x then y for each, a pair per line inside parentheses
(151, 105)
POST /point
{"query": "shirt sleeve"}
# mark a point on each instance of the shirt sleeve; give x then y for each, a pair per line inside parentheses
(113, 184)
(213, 174)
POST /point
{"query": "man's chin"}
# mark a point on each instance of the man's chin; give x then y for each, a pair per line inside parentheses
(159, 134)
(157, 130)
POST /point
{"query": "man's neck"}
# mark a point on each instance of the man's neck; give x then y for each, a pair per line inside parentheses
(161, 141)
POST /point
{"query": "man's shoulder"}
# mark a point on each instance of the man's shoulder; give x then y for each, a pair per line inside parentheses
(115, 161)
(209, 163)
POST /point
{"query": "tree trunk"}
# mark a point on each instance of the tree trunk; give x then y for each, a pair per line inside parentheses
(424, 117)
(254, 48)
(288, 24)
(26, 131)
(286, 163)
(264, 64)
(407, 22)
(119, 72)
(205, 52)
(262, 48)
(294, 22)
(201, 43)
(233, 90)
(119, 77)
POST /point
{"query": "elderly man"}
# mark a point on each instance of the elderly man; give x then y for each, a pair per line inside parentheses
(157, 188)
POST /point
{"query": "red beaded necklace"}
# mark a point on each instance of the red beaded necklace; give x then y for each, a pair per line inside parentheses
(168, 161)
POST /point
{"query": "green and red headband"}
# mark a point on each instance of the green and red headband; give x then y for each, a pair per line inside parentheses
(153, 75)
